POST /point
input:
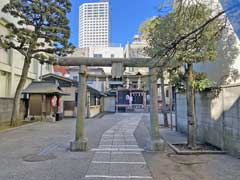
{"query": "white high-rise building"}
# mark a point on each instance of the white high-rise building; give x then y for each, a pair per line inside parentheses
(94, 24)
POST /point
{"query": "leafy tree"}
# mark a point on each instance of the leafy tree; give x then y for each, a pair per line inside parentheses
(148, 29)
(187, 35)
(41, 32)
(200, 83)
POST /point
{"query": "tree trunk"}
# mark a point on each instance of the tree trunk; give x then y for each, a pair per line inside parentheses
(191, 116)
(171, 102)
(16, 102)
(164, 109)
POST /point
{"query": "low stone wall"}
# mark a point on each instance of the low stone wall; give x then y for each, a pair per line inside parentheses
(218, 118)
(6, 105)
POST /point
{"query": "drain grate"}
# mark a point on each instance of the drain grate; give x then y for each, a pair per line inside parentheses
(44, 155)
(49, 149)
(38, 157)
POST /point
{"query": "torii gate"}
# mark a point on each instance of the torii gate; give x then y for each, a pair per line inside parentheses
(80, 143)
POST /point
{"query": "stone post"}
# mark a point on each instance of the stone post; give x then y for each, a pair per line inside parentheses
(43, 114)
(80, 143)
(156, 143)
(145, 101)
(116, 101)
(88, 105)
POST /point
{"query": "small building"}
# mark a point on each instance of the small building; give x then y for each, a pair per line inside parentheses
(69, 86)
(95, 101)
(131, 100)
(43, 101)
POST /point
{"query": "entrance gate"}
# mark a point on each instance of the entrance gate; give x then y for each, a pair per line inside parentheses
(117, 64)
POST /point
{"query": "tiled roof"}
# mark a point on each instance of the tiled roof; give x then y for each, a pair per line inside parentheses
(42, 87)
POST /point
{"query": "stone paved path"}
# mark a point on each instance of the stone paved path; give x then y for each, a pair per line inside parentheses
(118, 155)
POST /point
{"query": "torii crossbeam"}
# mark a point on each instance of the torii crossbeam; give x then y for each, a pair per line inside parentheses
(80, 143)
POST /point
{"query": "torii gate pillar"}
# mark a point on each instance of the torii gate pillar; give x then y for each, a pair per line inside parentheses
(156, 143)
(80, 143)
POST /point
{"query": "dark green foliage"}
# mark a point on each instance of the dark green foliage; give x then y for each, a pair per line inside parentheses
(42, 28)
(180, 36)
(200, 82)
(41, 32)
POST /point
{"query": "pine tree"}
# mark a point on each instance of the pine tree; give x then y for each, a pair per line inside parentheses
(41, 32)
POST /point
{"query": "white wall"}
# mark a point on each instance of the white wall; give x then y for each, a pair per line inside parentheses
(135, 50)
(11, 63)
(106, 52)
(225, 69)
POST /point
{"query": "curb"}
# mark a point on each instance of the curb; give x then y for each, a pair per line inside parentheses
(22, 126)
(196, 152)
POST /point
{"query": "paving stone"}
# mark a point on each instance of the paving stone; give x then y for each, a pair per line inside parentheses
(94, 178)
(98, 169)
(139, 170)
(123, 159)
(118, 143)
(106, 143)
(119, 170)
(101, 157)
(127, 158)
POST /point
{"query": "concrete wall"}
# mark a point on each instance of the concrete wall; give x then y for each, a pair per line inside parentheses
(95, 110)
(218, 118)
(11, 63)
(5, 109)
(106, 52)
(135, 49)
(6, 105)
(11, 69)
(109, 104)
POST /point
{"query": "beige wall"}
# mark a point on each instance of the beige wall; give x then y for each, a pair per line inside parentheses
(71, 99)
(95, 110)
(11, 63)
(6, 105)
(3, 53)
(4, 83)
(71, 91)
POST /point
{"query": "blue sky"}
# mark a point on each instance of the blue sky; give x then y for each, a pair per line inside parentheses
(127, 16)
(233, 13)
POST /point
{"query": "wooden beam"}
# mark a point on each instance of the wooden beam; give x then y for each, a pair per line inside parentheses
(106, 62)
(110, 76)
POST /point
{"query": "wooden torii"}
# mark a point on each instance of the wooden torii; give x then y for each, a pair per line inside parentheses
(80, 142)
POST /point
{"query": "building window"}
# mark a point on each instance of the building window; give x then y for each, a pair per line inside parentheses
(75, 78)
(94, 100)
(167, 93)
(48, 67)
(97, 55)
